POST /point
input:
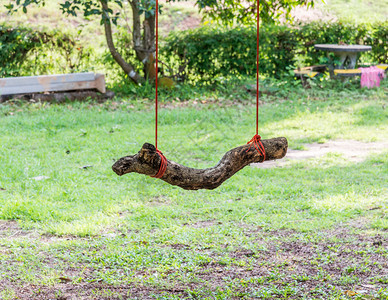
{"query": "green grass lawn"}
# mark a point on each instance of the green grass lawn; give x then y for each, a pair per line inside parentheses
(72, 229)
(313, 229)
(356, 10)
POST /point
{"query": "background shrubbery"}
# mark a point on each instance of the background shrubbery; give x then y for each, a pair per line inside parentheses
(202, 55)
(210, 52)
(24, 51)
(374, 34)
(15, 45)
(206, 52)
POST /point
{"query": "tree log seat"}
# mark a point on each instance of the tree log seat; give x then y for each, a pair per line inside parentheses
(383, 67)
(356, 72)
(310, 71)
(347, 72)
(147, 161)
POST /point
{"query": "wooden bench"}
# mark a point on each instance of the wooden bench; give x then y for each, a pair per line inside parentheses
(310, 71)
(52, 83)
(355, 72)
(347, 72)
(383, 67)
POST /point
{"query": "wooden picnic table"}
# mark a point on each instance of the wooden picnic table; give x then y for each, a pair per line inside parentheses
(347, 54)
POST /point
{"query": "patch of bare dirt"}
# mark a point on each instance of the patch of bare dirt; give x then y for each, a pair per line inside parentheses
(159, 201)
(333, 259)
(11, 230)
(68, 291)
(309, 261)
(203, 224)
(179, 246)
(352, 151)
(304, 14)
(190, 23)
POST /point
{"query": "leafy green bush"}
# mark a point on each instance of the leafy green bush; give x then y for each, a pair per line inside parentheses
(62, 53)
(340, 32)
(277, 45)
(326, 33)
(378, 39)
(206, 53)
(15, 44)
(24, 51)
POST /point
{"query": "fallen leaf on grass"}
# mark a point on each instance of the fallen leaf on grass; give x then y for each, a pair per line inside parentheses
(96, 280)
(65, 280)
(86, 167)
(144, 243)
(350, 293)
(37, 178)
(369, 286)
(377, 243)
(375, 208)
(83, 132)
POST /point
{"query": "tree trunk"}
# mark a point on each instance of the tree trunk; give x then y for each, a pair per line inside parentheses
(144, 44)
(136, 32)
(147, 161)
(149, 47)
(127, 68)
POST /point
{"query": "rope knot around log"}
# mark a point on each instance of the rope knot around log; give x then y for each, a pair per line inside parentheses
(256, 141)
(148, 162)
(162, 165)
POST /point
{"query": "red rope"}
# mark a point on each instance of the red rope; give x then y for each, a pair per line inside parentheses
(257, 69)
(156, 73)
(163, 160)
(163, 165)
(256, 140)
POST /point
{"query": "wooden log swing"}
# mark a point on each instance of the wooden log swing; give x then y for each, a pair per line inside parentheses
(147, 161)
(151, 161)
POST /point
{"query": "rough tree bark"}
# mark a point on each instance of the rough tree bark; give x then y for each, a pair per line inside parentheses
(143, 37)
(144, 44)
(128, 69)
(147, 162)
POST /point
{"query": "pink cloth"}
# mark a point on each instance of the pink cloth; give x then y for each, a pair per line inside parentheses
(371, 76)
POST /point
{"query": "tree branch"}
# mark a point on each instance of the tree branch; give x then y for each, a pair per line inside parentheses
(127, 68)
(136, 33)
(147, 161)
